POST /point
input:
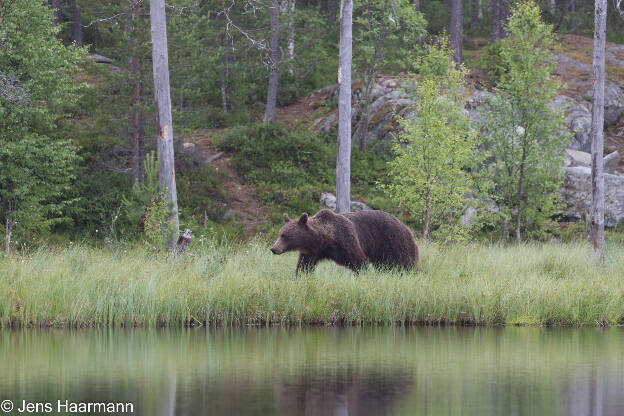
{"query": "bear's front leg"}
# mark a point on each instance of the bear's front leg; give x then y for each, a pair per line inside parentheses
(306, 264)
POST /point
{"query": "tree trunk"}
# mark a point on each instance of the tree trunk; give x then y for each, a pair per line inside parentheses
(288, 9)
(291, 36)
(77, 24)
(225, 61)
(166, 168)
(496, 24)
(136, 70)
(520, 195)
(343, 163)
(8, 232)
(416, 4)
(331, 11)
(456, 31)
(480, 2)
(597, 129)
(504, 17)
(269, 113)
(474, 17)
(224, 86)
(427, 221)
(56, 6)
(552, 7)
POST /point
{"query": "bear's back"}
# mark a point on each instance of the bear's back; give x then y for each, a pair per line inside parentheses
(384, 239)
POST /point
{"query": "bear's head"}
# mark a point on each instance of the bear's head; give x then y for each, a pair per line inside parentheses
(295, 235)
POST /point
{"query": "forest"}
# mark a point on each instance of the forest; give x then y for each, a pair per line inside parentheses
(253, 104)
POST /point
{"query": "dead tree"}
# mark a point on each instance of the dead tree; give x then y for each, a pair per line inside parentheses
(166, 168)
(343, 163)
(269, 113)
(597, 129)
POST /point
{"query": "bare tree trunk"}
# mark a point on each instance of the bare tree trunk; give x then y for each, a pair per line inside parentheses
(223, 86)
(136, 70)
(416, 4)
(291, 37)
(456, 31)
(361, 132)
(166, 168)
(331, 11)
(427, 220)
(520, 196)
(496, 23)
(8, 232)
(552, 7)
(225, 60)
(504, 17)
(288, 9)
(343, 163)
(597, 129)
(573, 16)
(56, 6)
(474, 17)
(480, 15)
(77, 25)
(269, 113)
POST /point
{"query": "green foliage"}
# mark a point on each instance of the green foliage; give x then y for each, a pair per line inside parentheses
(495, 62)
(522, 131)
(386, 34)
(200, 191)
(143, 196)
(158, 223)
(36, 174)
(436, 151)
(287, 166)
(37, 167)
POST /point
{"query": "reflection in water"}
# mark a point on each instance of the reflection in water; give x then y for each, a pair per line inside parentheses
(352, 371)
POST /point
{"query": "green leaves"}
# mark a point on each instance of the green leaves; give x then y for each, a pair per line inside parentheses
(436, 151)
(524, 133)
(386, 35)
(36, 167)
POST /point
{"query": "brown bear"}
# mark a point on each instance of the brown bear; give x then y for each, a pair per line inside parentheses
(350, 239)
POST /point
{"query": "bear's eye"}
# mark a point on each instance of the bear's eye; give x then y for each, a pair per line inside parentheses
(285, 238)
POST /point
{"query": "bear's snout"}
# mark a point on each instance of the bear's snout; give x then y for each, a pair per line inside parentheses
(273, 250)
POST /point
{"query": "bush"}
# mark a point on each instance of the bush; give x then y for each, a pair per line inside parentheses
(289, 168)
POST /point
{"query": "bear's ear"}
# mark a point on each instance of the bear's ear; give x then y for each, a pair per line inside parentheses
(286, 218)
(303, 219)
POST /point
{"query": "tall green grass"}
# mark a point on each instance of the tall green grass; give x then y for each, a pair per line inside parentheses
(538, 284)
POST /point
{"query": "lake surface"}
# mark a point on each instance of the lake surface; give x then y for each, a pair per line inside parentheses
(325, 371)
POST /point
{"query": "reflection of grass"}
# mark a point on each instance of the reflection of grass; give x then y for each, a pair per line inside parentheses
(533, 284)
(454, 371)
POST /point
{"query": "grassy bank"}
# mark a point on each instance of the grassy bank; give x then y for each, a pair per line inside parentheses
(544, 284)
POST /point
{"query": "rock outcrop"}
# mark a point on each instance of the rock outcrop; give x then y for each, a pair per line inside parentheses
(328, 200)
(392, 97)
(576, 194)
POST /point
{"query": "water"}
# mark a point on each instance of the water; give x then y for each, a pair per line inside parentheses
(352, 371)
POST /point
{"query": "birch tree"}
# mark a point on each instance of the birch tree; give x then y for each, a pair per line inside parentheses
(288, 8)
(269, 112)
(343, 163)
(597, 201)
(166, 168)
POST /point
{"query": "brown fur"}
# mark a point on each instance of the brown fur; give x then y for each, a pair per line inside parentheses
(351, 240)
